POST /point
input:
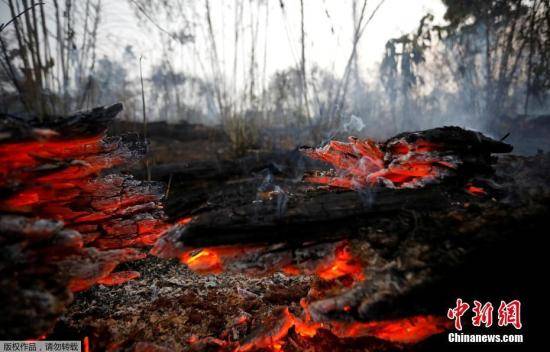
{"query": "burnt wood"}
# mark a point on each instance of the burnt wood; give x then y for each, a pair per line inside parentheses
(304, 215)
(249, 210)
(455, 139)
(79, 124)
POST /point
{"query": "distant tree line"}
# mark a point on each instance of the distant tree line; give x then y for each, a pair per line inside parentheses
(490, 59)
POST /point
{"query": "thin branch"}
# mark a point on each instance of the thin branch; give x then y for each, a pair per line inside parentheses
(358, 33)
(4, 25)
(144, 13)
(143, 100)
(144, 118)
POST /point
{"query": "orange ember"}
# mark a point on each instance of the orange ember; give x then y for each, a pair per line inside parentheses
(86, 344)
(343, 264)
(118, 278)
(361, 163)
(59, 179)
(409, 330)
(340, 264)
(16, 156)
(475, 191)
(291, 270)
(202, 261)
(211, 260)
(405, 331)
(39, 338)
(184, 221)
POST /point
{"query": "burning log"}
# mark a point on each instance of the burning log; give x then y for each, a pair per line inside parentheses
(68, 218)
(411, 160)
(412, 233)
(58, 176)
(408, 160)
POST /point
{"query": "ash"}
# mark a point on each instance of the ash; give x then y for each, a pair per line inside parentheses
(171, 306)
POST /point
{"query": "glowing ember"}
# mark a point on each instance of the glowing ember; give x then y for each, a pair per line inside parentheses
(340, 263)
(409, 330)
(291, 270)
(118, 278)
(273, 336)
(22, 155)
(203, 261)
(102, 266)
(344, 264)
(405, 331)
(211, 260)
(39, 338)
(361, 163)
(57, 179)
(86, 344)
(475, 191)
(54, 178)
(184, 221)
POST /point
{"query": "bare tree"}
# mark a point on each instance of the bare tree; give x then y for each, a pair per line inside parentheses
(358, 31)
(303, 83)
(50, 63)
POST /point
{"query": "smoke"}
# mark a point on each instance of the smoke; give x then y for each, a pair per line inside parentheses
(354, 124)
(269, 191)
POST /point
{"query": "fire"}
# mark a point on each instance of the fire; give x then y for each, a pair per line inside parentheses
(272, 335)
(362, 163)
(291, 270)
(39, 338)
(408, 331)
(103, 271)
(184, 221)
(62, 179)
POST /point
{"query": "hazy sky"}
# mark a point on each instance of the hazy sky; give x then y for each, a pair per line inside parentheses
(328, 38)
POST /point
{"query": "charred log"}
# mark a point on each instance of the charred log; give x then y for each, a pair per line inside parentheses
(253, 211)
(285, 164)
(84, 123)
(304, 216)
(455, 139)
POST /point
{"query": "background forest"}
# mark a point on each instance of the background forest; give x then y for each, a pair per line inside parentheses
(485, 65)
